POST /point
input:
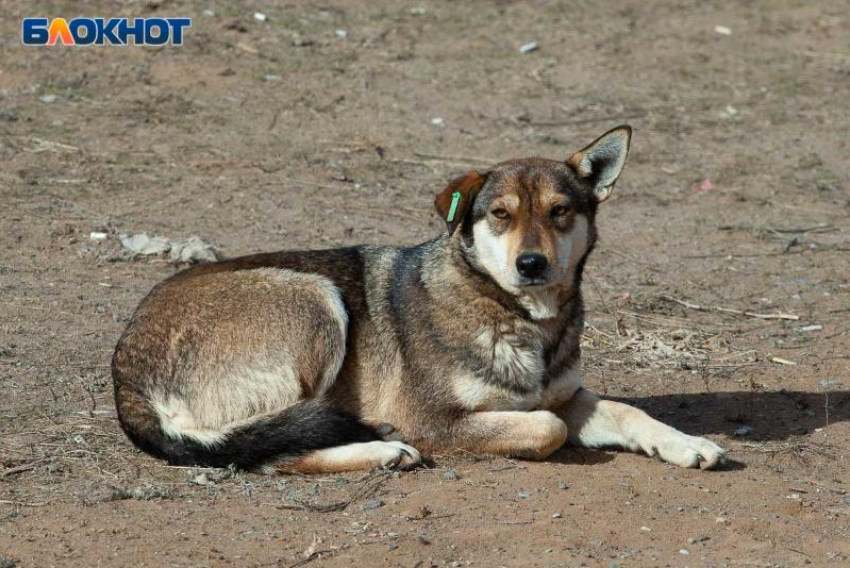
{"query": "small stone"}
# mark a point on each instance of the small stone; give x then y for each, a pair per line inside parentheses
(423, 540)
(437, 121)
(209, 12)
(529, 47)
(97, 236)
(721, 520)
(722, 30)
(371, 504)
(272, 77)
(523, 495)
(744, 431)
(847, 500)
(143, 244)
(47, 99)
(563, 485)
(684, 552)
(645, 529)
(556, 515)
(201, 479)
(192, 250)
(341, 33)
(450, 475)
(260, 17)
(393, 545)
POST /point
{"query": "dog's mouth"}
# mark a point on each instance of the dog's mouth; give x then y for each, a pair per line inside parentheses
(538, 282)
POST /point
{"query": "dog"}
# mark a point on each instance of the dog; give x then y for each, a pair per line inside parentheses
(297, 361)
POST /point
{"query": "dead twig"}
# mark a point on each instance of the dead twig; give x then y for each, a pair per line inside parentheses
(370, 488)
(22, 468)
(700, 308)
(311, 557)
(455, 159)
(586, 120)
(22, 503)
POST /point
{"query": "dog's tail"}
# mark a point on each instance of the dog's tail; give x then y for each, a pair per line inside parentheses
(266, 440)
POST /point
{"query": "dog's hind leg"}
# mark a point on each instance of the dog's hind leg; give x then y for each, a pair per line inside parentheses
(596, 423)
(364, 456)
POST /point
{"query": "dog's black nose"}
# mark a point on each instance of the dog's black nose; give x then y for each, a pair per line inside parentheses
(531, 264)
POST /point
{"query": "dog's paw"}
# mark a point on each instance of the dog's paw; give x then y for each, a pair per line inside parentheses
(394, 455)
(689, 451)
(388, 433)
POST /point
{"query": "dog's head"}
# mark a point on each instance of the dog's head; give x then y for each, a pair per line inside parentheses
(529, 223)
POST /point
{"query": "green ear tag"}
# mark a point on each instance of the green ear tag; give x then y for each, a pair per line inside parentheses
(453, 207)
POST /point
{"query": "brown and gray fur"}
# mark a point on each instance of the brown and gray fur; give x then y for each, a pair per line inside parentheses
(289, 361)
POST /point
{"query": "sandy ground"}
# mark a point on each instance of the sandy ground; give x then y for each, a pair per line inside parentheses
(284, 134)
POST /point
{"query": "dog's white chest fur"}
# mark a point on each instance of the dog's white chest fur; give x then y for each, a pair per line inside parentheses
(515, 358)
(513, 376)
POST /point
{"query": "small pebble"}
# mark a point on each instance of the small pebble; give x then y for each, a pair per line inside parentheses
(97, 236)
(209, 12)
(201, 479)
(523, 495)
(744, 431)
(684, 552)
(556, 515)
(722, 30)
(563, 485)
(437, 121)
(423, 540)
(47, 99)
(645, 529)
(393, 545)
(529, 47)
(341, 33)
(450, 475)
(260, 17)
(371, 504)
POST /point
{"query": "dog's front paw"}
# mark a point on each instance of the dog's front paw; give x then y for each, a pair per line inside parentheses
(688, 451)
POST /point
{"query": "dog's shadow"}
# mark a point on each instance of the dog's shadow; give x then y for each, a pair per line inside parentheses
(755, 416)
(759, 416)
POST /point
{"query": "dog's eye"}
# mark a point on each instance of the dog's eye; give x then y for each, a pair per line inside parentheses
(499, 213)
(560, 210)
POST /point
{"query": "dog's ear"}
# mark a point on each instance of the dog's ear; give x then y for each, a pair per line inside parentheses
(454, 202)
(602, 161)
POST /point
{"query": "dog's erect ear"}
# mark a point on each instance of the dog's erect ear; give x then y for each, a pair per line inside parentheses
(454, 202)
(602, 161)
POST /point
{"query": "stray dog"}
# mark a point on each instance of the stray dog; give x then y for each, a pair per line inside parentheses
(297, 361)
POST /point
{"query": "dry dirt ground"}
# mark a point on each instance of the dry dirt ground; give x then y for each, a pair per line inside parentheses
(286, 133)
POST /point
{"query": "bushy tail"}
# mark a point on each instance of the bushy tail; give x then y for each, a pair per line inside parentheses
(301, 428)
